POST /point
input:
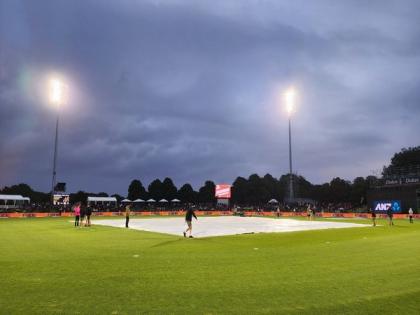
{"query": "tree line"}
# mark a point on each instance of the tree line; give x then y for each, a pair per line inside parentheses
(253, 190)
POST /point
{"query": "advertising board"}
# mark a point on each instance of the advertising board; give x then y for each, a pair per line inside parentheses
(384, 205)
(222, 191)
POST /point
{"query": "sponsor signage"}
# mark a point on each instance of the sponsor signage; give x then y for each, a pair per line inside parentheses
(403, 181)
(385, 205)
(222, 191)
(413, 180)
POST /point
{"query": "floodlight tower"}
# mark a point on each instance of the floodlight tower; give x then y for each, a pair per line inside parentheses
(290, 105)
(56, 99)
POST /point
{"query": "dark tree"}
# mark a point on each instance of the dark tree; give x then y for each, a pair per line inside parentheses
(187, 194)
(321, 193)
(136, 190)
(156, 190)
(206, 193)
(340, 190)
(118, 197)
(240, 191)
(285, 186)
(272, 186)
(20, 189)
(258, 194)
(372, 180)
(406, 157)
(303, 187)
(358, 191)
(26, 191)
(80, 196)
(169, 190)
(404, 162)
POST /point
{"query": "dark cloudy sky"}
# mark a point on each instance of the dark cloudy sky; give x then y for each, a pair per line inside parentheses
(192, 89)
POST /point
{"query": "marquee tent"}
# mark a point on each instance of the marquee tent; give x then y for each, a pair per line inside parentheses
(11, 201)
(101, 200)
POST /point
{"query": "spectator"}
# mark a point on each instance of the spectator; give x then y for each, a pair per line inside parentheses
(76, 209)
(410, 215)
(127, 214)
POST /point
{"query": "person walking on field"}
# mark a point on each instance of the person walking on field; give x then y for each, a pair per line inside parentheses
(373, 215)
(127, 214)
(390, 216)
(76, 209)
(82, 215)
(188, 218)
(410, 215)
(309, 212)
(88, 214)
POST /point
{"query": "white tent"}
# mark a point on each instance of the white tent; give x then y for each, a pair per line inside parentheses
(151, 200)
(175, 200)
(138, 200)
(11, 201)
(101, 200)
(13, 197)
(163, 200)
(126, 200)
(273, 201)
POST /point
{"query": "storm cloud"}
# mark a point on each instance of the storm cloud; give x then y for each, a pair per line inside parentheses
(191, 89)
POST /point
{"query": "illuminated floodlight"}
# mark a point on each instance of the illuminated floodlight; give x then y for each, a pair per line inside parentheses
(56, 91)
(290, 96)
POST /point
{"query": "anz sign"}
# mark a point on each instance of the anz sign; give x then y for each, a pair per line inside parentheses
(385, 205)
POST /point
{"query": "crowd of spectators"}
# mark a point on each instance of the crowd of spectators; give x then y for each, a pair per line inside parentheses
(296, 207)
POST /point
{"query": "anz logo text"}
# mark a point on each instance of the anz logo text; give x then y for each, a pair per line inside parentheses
(395, 206)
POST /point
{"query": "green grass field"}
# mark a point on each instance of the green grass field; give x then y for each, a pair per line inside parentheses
(49, 267)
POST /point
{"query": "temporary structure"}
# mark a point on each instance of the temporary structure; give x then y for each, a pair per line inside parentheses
(175, 200)
(151, 200)
(163, 200)
(273, 201)
(12, 201)
(126, 200)
(13, 197)
(101, 200)
(138, 200)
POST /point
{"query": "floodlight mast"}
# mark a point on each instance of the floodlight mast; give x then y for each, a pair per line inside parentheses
(56, 98)
(290, 99)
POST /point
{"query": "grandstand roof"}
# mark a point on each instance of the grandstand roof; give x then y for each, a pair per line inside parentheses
(103, 199)
(14, 197)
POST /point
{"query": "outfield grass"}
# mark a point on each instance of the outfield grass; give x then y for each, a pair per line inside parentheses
(49, 267)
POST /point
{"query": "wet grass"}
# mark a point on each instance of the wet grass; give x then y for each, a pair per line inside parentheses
(49, 267)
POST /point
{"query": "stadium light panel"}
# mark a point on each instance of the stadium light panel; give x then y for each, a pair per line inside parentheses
(56, 91)
(290, 100)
